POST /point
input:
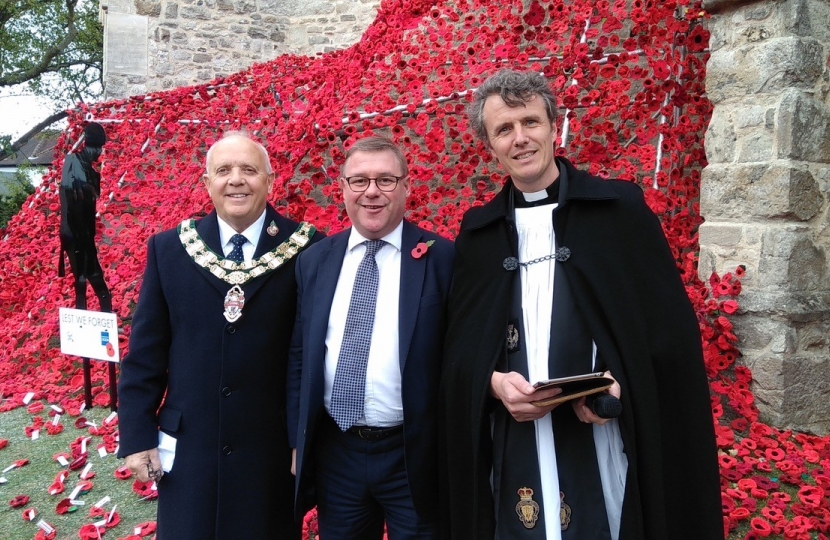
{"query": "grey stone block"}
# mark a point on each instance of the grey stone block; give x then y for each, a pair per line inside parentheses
(766, 67)
(721, 234)
(318, 40)
(807, 384)
(803, 128)
(295, 8)
(791, 260)
(181, 56)
(171, 10)
(162, 35)
(755, 146)
(741, 192)
(244, 6)
(720, 137)
(806, 18)
(805, 198)
(151, 8)
(783, 63)
(753, 116)
(196, 12)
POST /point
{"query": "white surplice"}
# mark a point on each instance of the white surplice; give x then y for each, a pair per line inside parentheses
(537, 239)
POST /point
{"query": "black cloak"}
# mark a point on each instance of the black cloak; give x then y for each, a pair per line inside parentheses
(635, 305)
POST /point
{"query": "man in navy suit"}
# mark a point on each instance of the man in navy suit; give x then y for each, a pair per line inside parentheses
(378, 461)
(210, 336)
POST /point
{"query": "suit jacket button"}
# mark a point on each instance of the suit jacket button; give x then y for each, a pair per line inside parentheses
(227, 450)
(226, 391)
(231, 329)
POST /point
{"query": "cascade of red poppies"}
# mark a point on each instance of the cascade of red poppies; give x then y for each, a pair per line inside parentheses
(630, 77)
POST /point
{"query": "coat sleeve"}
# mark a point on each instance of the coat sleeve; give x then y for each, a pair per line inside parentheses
(295, 363)
(143, 379)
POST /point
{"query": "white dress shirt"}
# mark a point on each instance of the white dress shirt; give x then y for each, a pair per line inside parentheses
(383, 406)
(251, 233)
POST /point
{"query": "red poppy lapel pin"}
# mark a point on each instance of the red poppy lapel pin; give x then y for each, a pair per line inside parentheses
(422, 247)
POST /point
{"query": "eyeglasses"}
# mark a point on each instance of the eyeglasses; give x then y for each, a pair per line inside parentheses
(387, 182)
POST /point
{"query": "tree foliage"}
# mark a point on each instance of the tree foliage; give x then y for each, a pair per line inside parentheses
(54, 48)
(18, 189)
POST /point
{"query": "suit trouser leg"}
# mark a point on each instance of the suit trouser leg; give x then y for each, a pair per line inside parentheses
(360, 484)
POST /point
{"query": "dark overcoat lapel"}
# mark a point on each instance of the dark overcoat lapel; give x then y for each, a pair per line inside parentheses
(412, 284)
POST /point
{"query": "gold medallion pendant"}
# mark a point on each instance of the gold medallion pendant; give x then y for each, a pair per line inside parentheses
(564, 512)
(234, 302)
(527, 509)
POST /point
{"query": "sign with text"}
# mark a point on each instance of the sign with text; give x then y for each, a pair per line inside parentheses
(89, 334)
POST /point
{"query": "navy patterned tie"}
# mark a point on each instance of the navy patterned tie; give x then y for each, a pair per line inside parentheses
(236, 253)
(349, 388)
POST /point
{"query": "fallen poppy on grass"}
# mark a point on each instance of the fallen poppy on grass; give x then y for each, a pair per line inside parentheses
(145, 529)
(91, 532)
(65, 507)
(19, 501)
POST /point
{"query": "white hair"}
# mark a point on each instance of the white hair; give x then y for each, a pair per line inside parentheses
(242, 135)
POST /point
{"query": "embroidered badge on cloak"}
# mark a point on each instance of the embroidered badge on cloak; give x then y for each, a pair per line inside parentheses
(527, 509)
(564, 512)
(513, 338)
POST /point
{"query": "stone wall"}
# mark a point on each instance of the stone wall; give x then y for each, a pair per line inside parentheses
(152, 45)
(764, 196)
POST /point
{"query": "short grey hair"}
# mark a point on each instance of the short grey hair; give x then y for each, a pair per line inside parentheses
(243, 135)
(515, 88)
(377, 144)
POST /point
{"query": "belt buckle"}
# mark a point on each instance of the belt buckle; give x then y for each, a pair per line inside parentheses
(367, 434)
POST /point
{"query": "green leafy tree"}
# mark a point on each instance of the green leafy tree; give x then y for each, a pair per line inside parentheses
(17, 189)
(54, 48)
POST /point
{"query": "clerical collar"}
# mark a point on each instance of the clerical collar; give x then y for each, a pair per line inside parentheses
(549, 195)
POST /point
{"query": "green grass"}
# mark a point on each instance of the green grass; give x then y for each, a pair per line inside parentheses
(35, 478)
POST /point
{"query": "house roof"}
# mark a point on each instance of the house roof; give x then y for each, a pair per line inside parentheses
(39, 151)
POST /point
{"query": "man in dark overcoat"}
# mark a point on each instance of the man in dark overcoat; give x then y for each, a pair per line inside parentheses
(202, 391)
(381, 463)
(619, 307)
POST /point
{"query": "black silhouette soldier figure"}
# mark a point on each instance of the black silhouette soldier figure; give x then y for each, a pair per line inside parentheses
(80, 188)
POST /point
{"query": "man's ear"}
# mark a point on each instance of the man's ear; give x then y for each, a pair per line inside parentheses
(492, 152)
